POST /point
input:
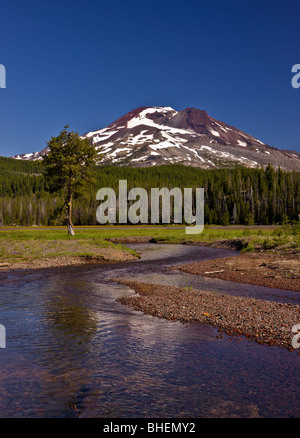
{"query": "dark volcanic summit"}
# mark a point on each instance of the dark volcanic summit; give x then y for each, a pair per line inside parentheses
(151, 136)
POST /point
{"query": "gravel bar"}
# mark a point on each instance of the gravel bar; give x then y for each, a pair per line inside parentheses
(262, 321)
(279, 271)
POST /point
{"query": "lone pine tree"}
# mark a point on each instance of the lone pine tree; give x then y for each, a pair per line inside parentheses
(70, 168)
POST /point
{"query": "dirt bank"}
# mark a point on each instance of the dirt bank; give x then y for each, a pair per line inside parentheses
(235, 244)
(105, 255)
(262, 269)
(263, 321)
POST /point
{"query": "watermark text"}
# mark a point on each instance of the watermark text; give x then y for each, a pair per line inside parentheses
(296, 337)
(296, 77)
(2, 336)
(2, 76)
(136, 206)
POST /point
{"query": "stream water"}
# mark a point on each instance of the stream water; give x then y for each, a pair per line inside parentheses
(72, 350)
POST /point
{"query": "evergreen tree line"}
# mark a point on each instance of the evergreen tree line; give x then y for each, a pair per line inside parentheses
(232, 196)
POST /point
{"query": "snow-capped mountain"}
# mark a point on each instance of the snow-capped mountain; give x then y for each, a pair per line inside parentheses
(149, 136)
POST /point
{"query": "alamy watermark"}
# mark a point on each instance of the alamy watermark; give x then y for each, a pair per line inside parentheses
(2, 76)
(296, 337)
(154, 210)
(296, 77)
(2, 336)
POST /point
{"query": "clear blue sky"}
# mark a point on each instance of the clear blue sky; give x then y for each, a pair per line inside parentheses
(87, 63)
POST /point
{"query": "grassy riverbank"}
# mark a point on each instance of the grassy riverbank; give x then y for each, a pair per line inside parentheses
(45, 247)
(39, 246)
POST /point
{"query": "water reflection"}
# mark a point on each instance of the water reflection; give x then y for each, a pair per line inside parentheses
(67, 312)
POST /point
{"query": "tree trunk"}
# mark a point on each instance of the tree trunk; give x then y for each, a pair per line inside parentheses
(71, 230)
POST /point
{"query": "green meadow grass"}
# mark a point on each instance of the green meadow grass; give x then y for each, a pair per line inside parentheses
(23, 244)
(168, 233)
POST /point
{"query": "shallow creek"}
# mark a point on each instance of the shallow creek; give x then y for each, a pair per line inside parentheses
(73, 350)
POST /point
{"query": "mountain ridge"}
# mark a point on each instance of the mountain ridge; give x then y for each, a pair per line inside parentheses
(150, 136)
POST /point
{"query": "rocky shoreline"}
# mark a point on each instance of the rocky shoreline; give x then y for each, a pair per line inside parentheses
(261, 321)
